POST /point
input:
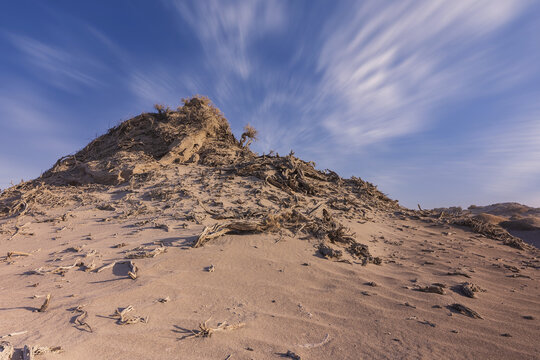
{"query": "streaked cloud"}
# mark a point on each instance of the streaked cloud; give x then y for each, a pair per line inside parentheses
(226, 29)
(387, 67)
(57, 66)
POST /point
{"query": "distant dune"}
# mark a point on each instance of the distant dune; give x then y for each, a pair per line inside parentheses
(518, 219)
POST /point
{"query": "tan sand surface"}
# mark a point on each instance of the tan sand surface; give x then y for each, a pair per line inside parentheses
(280, 296)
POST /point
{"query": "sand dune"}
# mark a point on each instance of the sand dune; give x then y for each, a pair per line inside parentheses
(296, 262)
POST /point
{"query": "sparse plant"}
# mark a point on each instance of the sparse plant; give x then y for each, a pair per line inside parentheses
(249, 134)
(162, 109)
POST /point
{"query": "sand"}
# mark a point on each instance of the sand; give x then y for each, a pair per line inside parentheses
(273, 293)
(288, 296)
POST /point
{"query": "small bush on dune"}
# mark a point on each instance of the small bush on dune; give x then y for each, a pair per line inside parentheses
(162, 109)
(249, 134)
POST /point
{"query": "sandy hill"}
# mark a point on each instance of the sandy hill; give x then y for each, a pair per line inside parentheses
(519, 220)
(169, 238)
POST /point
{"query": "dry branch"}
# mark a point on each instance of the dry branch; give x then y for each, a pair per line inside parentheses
(462, 309)
(205, 331)
(147, 254)
(10, 254)
(125, 319)
(132, 270)
(434, 288)
(30, 351)
(41, 350)
(328, 252)
(217, 230)
(470, 289)
(45, 305)
(14, 334)
(80, 320)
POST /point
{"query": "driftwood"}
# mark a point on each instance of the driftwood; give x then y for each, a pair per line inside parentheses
(147, 254)
(458, 273)
(462, 309)
(492, 231)
(30, 351)
(6, 350)
(14, 334)
(10, 254)
(89, 267)
(125, 319)
(470, 289)
(41, 350)
(217, 230)
(60, 270)
(328, 252)
(132, 273)
(45, 305)
(205, 331)
(434, 288)
(80, 320)
(210, 212)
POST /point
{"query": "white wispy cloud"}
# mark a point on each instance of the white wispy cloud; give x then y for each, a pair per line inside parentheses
(35, 132)
(226, 29)
(56, 65)
(387, 66)
(510, 155)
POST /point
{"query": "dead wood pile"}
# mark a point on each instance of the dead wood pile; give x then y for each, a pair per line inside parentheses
(325, 228)
(456, 216)
(294, 175)
(490, 230)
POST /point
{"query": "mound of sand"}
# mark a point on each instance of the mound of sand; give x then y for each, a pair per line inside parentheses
(167, 231)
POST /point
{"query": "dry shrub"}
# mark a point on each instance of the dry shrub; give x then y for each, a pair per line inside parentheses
(162, 109)
(248, 136)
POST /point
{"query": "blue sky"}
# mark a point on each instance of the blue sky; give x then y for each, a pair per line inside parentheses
(436, 102)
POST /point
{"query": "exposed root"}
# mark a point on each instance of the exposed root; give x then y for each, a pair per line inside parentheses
(133, 269)
(80, 320)
(124, 318)
(30, 351)
(147, 253)
(328, 252)
(206, 331)
(11, 254)
(470, 289)
(45, 305)
(217, 230)
(462, 309)
(434, 288)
